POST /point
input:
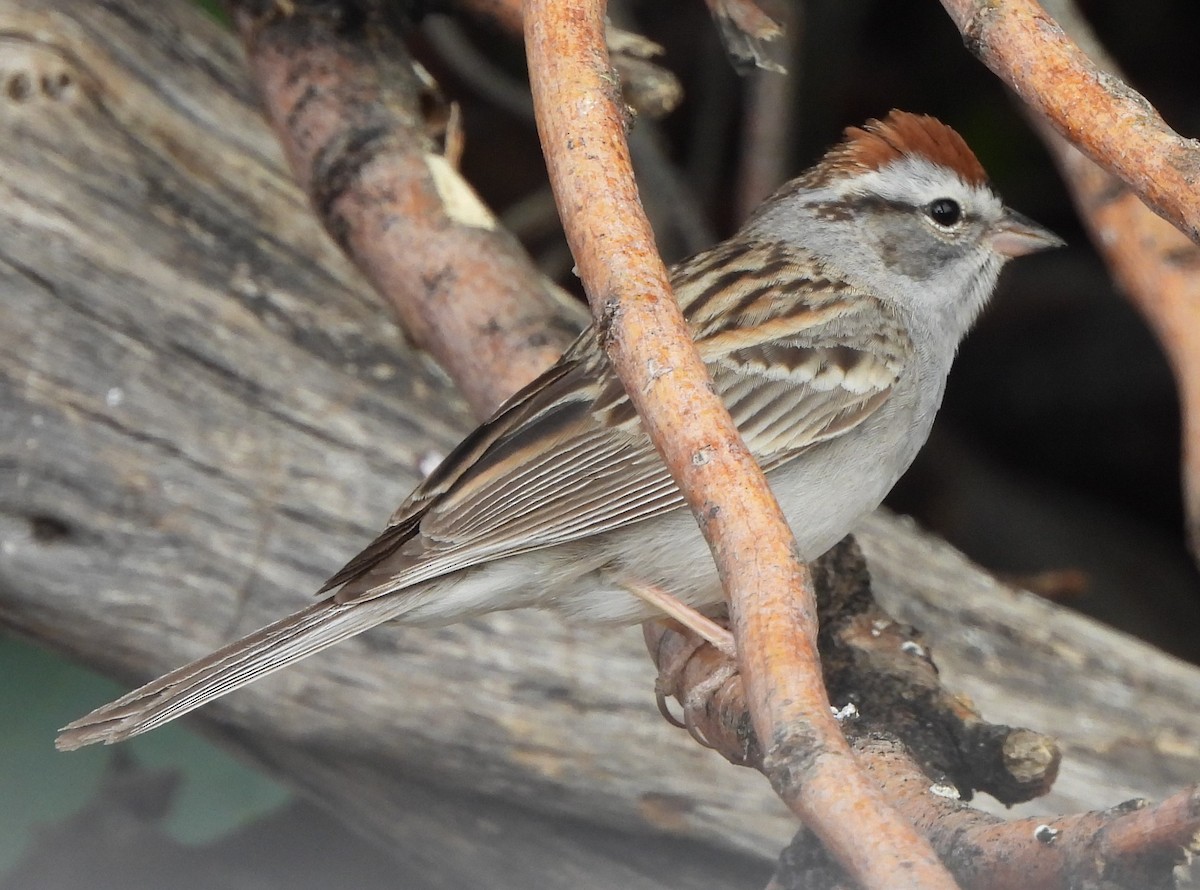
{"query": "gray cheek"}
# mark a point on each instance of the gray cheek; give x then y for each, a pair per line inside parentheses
(916, 253)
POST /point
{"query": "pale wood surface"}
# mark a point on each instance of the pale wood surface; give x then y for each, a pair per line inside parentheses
(204, 411)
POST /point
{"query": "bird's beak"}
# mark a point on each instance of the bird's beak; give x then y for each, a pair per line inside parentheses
(1018, 235)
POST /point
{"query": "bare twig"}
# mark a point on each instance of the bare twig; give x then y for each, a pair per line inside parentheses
(880, 672)
(680, 222)
(347, 105)
(649, 88)
(640, 326)
(1097, 112)
(746, 32)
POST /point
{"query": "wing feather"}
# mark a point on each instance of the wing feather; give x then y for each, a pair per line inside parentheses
(798, 363)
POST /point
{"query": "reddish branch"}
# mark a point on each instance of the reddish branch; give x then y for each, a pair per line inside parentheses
(362, 134)
(1106, 119)
(774, 618)
(902, 715)
(1158, 267)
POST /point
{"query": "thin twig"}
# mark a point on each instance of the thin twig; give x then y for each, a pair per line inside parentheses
(475, 68)
(679, 218)
(1094, 110)
(649, 344)
(747, 33)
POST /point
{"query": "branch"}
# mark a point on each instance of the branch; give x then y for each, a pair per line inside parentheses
(1106, 119)
(360, 132)
(650, 346)
(929, 751)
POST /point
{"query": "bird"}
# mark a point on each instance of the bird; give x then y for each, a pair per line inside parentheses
(828, 323)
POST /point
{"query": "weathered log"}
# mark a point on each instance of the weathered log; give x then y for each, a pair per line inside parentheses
(204, 411)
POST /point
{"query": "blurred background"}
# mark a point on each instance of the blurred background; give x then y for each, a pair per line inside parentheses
(1054, 462)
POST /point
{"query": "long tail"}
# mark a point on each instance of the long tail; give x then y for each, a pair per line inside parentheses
(275, 646)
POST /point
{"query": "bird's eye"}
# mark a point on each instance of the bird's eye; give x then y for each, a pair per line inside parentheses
(946, 212)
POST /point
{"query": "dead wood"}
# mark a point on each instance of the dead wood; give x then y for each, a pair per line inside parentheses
(930, 752)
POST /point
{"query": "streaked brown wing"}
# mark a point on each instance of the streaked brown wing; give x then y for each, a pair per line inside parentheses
(568, 458)
(521, 412)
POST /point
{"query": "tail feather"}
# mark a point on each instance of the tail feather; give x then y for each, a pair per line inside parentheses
(266, 650)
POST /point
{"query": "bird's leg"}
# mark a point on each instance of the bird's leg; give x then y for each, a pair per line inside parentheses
(670, 605)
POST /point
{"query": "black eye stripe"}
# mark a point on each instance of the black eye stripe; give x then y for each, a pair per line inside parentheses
(863, 203)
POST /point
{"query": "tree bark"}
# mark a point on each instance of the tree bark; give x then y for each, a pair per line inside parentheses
(204, 411)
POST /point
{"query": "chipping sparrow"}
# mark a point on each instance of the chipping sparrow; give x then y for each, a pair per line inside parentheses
(828, 324)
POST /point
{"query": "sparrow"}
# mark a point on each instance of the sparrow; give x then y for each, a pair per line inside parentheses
(828, 324)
